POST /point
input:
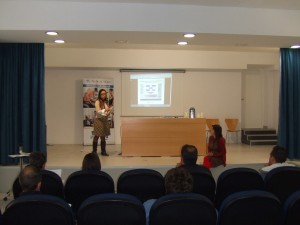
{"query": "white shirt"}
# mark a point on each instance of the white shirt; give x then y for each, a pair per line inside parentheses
(275, 165)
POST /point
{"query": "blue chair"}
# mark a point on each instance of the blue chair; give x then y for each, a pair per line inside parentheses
(292, 209)
(250, 208)
(183, 209)
(283, 181)
(111, 209)
(143, 183)
(51, 185)
(235, 180)
(204, 184)
(38, 209)
(82, 184)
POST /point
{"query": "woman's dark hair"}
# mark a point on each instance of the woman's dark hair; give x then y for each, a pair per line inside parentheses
(99, 95)
(218, 131)
(91, 161)
(178, 180)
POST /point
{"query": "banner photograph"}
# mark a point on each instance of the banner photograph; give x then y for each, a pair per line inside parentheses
(91, 88)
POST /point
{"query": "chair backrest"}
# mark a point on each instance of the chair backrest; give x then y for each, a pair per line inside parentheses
(52, 184)
(249, 208)
(183, 208)
(16, 188)
(204, 182)
(283, 181)
(292, 209)
(82, 184)
(111, 209)
(37, 209)
(231, 124)
(237, 179)
(143, 183)
(211, 122)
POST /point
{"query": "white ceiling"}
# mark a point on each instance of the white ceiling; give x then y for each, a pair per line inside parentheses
(268, 4)
(151, 39)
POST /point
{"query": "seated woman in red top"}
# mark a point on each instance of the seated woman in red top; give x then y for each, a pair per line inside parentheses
(216, 155)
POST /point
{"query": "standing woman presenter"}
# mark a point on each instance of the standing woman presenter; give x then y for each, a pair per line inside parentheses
(101, 123)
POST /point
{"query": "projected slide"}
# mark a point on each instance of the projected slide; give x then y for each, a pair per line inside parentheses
(151, 90)
(152, 93)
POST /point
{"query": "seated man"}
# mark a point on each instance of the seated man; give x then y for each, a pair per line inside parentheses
(277, 158)
(30, 179)
(37, 159)
(189, 157)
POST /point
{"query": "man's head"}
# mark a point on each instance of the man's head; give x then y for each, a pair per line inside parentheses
(37, 159)
(178, 180)
(278, 155)
(189, 154)
(30, 179)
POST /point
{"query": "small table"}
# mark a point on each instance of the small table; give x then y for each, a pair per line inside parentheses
(20, 156)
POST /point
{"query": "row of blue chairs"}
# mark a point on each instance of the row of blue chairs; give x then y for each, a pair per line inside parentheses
(241, 208)
(149, 184)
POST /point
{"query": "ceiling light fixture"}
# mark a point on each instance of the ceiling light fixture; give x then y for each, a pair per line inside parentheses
(59, 41)
(121, 41)
(51, 33)
(190, 35)
(182, 43)
(295, 46)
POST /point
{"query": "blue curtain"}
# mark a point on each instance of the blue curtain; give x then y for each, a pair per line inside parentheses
(22, 108)
(289, 102)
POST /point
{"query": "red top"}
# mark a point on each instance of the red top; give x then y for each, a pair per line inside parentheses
(218, 148)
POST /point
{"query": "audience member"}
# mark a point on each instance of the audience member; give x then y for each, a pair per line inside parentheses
(30, 179)
(177, 180)
(189, 157)
(277, 158)
(91, 161)
(216, 155)
(37, 159)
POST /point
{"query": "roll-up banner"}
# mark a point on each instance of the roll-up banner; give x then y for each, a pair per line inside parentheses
(91, 88)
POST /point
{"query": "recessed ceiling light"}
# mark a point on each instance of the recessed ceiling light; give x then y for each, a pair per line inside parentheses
(189, 35)
(121, 41)
(51, 33)
(182, 43)
(59, 41)
(295, 46)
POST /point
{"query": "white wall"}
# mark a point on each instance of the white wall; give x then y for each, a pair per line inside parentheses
(64, 113)
(216, 94)
(213, 83)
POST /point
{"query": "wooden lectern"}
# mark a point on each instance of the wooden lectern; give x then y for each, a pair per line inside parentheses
(161, 136)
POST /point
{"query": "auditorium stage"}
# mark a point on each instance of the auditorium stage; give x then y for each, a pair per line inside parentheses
(68, 159)
(72, 155)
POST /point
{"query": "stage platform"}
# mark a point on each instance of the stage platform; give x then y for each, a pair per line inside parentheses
(68, 158)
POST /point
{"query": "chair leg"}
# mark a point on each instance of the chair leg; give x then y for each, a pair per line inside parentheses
(226, 137)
